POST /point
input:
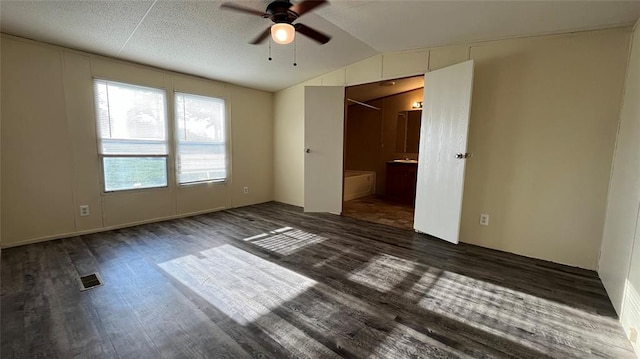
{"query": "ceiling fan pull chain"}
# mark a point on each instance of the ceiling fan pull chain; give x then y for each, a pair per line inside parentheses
(270, 49)
(294, 52)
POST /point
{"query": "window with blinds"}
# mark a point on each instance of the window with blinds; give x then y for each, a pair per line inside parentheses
(132, 135)
(201, 138)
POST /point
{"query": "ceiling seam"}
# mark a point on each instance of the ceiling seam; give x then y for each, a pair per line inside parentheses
(136, 28)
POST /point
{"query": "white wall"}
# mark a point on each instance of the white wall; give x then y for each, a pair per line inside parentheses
(619, 266)
(49, 152)
(543, 126)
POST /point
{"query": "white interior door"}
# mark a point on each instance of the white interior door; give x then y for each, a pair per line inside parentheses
(443, 148)
(323, 140)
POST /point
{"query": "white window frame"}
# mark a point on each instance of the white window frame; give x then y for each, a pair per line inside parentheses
(176, 142)
(102, 156)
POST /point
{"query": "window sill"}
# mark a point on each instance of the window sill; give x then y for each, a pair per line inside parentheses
(134, 190)
(201, 183)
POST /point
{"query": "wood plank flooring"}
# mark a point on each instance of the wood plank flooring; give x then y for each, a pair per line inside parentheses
(269, 281)
(377, 209)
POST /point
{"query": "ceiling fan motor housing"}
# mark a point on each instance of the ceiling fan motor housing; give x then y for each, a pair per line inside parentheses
(284, 12)
(280, 13)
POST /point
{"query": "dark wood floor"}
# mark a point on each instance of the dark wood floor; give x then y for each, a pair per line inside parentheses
(377, 209)
(270, 281)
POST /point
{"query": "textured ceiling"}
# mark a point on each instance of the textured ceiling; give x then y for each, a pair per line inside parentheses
(194, 37)
(94, 26)
(401, 25)
(198, 38)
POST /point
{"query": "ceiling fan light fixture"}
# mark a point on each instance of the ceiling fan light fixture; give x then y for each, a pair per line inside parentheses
(283, 33)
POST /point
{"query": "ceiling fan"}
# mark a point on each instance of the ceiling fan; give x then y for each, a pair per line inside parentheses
(283, 13)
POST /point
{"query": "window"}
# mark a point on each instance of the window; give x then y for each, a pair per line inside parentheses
(200, 134)
(132, 135)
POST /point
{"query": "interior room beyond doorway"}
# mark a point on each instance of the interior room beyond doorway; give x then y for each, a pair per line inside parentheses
(382, 131)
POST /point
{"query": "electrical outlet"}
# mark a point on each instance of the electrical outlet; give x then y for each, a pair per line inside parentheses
(84, 210)
(484, 219)
(633, 335)
(245, 190)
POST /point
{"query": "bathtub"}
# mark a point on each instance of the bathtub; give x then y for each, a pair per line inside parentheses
(358, 184)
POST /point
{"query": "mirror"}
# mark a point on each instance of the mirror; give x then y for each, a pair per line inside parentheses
(408, 131)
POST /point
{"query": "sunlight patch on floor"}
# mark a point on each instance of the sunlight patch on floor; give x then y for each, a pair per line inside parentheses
(379, 274)
(285, 240)
(243, 286)
(630, 317)
(486, 306)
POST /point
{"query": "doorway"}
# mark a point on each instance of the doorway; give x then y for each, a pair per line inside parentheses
(444, 129)
(381, 150)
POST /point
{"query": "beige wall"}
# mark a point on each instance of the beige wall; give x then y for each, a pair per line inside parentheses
(543, 125)
(288, 144)
(542, 133)
(619, 265)
(49, 153)
(363, 138)
(0, 158)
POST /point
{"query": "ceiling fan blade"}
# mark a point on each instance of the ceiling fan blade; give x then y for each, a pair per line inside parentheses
(261, 37)
(235, 7)
(312, 33)
(306, 6)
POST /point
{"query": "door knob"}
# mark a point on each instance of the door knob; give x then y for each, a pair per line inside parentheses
(462, 156)
(307, 150)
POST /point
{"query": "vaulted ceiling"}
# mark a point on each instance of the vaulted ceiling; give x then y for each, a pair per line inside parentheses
(196, 37)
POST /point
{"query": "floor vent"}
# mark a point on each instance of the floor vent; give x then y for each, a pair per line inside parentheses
(90, 281)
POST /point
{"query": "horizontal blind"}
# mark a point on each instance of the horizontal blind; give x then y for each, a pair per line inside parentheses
(201, 138)
(131, 119)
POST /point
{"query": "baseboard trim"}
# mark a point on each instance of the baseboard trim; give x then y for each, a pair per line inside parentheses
(109, 228)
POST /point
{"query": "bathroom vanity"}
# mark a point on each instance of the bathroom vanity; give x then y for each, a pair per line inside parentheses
(401, 181)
